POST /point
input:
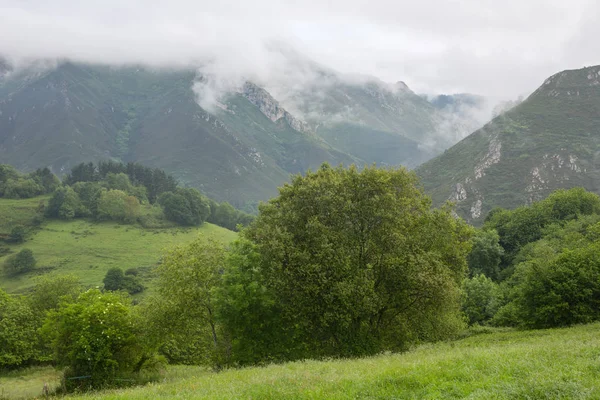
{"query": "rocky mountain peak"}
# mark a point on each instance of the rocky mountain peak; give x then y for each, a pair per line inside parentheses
(271, 107)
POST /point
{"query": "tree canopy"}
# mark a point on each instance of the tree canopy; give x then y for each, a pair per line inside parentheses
(351, 262)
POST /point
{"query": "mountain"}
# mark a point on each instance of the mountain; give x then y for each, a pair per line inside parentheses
(374, 121)
(238, 150)
(75, 113)
(549, 141)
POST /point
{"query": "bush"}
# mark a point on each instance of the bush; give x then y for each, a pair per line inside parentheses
(561, 292)
(65, 204)
(117, 205)
(20, 263)
(116, 280)
(95, 336)
(17, 331)
(185, 206)
(17, 234)
(482, 298)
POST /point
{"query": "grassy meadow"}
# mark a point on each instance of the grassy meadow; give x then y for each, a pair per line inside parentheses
(88, 249)
(489, 364)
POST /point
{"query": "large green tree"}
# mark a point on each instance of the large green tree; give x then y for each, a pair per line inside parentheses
(351, 262)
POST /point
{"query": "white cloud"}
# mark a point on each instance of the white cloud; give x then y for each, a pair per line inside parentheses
(500, 49)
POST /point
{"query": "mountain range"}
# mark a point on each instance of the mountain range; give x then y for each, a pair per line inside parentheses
(238, 150)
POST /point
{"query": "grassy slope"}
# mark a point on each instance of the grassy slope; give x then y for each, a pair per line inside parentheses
(544, 364)
(18, 212)
(89, 249)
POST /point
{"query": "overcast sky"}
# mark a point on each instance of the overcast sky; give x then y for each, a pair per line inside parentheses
(495, 48)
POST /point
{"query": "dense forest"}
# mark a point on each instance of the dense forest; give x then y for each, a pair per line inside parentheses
(344, 262)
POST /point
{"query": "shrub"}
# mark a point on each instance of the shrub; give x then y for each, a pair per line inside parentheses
(481, 299)
(17, 331)
(116, 280)
(561, 292)
(17, 234)
(20, 263)
(95, 336)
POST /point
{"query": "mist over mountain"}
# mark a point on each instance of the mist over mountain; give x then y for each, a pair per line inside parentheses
(236, 142)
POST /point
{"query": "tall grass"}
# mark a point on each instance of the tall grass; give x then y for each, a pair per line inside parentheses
(545, 364)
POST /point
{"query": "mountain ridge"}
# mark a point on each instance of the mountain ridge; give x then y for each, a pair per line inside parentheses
(549, 141)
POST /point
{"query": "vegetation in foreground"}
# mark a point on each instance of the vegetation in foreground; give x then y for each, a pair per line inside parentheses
(494, 364)
(343, 263)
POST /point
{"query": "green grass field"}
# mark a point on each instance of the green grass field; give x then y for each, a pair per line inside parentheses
(503, 364)
(87, 249)
(18, 212)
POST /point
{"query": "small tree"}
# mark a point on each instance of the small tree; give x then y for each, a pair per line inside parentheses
(481, 299)
(116, 280)
(95, 336)
(17, 331)
(20, 263)
(185, 207)
(64, 204)
(17, 234)
(486, 254)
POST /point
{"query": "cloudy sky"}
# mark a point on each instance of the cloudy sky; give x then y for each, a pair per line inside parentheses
(495, 48)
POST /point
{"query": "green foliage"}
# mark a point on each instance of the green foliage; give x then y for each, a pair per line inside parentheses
(14, 185)
(250, 312)
(225, 215)
(96, 336)
(486, 254)
(50, 291)
(121, 182)
(117, 205)
(135, 179)
(525, 225)
(185, 307)
(354, 262)
(89, 193)
(499, 364)
(17, 234)
(65, 204)
(20, 188)
(116, 280)
(482, 298)
(46, 179)
(185, 206)
(559, 292)
(20, 263)
(17, 331)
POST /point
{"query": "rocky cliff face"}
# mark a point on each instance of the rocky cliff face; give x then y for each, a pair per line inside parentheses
(271, 107)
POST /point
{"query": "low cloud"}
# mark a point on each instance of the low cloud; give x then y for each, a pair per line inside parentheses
(480, 46)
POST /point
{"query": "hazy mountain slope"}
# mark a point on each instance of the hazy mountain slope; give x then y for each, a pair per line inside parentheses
(57, 120)
(549, 141)
(398, 125)
(76, 113)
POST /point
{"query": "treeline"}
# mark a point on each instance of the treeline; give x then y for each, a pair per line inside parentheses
(128, 193)
(14, 185)
(537, 266)
(344, 262)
